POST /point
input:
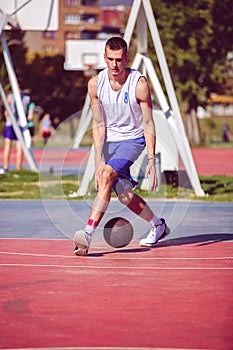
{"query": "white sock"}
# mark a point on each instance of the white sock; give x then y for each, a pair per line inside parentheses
(156, 221)
(89, 229)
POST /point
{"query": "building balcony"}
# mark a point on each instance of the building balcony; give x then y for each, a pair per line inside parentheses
(88, 10)
(89, 27)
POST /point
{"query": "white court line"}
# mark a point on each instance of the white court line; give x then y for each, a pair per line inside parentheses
(103, 348)
(117, 267)
(118, 258)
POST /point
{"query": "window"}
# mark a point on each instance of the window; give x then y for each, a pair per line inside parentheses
(72, 3)
(48, 34)
(89, 19)
(71, 35)
(50, 49)
(89, 2)
(71, 18)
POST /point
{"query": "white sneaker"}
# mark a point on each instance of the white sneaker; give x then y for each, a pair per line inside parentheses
(3, 171)
(156, 233)
(82, 240)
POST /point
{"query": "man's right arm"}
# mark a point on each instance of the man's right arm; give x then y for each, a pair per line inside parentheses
(98, 126)
(5, 111)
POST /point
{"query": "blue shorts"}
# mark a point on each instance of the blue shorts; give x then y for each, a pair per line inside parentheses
(9, 133)
(120, 156)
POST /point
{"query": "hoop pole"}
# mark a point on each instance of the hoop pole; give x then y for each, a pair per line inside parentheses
(27, 152)
(18, 101)
(186, 151)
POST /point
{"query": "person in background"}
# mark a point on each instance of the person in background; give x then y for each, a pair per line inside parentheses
(226, 133)
(46, 127)
(30, 120)
(9, 133)
(122, 127)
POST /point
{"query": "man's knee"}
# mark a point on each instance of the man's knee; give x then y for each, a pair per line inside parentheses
(108, 175)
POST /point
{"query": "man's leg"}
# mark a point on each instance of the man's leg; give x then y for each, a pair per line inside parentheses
(6, 153)
(135, 203)
(82, 238)
(19, 155)
(103, 197)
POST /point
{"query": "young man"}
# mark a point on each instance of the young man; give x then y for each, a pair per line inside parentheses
(122, 127)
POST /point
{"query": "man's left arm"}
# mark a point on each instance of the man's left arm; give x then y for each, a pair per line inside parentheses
(143, 95)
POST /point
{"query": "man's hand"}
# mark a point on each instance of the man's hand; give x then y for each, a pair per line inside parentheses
(98, 169)
(151, 171)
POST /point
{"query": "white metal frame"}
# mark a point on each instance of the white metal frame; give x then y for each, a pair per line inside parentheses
(24, 139)
(142, 14)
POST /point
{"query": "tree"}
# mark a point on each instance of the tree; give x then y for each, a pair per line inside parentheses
(18, 52)
(57, 91)
(60, 92)
(196, 36)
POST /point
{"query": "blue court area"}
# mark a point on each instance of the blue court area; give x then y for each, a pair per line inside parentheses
(189, 221)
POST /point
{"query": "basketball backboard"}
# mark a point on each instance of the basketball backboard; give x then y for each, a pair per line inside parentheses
(81, 54)
(32, 15)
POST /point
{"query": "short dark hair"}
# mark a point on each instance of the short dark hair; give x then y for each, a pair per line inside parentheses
(116, 43)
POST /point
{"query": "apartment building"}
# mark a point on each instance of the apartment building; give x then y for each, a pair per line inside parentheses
(78, 19)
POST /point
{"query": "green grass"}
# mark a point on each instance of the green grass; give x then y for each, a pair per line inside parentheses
(25, 184)
(218, 188)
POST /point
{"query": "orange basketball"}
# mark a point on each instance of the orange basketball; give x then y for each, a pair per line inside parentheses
(118, 232)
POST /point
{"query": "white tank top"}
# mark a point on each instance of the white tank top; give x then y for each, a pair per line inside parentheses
(25, 100)
(121, 111)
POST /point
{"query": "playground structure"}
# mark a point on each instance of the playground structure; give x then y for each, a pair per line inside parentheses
(23, 14)
(169, 121)
(170, 124)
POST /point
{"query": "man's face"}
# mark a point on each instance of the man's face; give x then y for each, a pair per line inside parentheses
(116, 60)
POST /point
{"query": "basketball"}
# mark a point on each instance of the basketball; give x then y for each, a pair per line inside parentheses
(118, 232)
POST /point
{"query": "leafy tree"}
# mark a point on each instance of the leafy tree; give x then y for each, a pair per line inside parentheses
(196, 36)
(18, 52)
(57, 91)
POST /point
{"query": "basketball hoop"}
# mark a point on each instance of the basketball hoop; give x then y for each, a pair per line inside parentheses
(89, 70)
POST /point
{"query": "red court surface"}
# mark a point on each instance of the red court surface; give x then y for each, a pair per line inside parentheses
(208, 161)
(169, 297)
(53, 156)
(174, 296)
